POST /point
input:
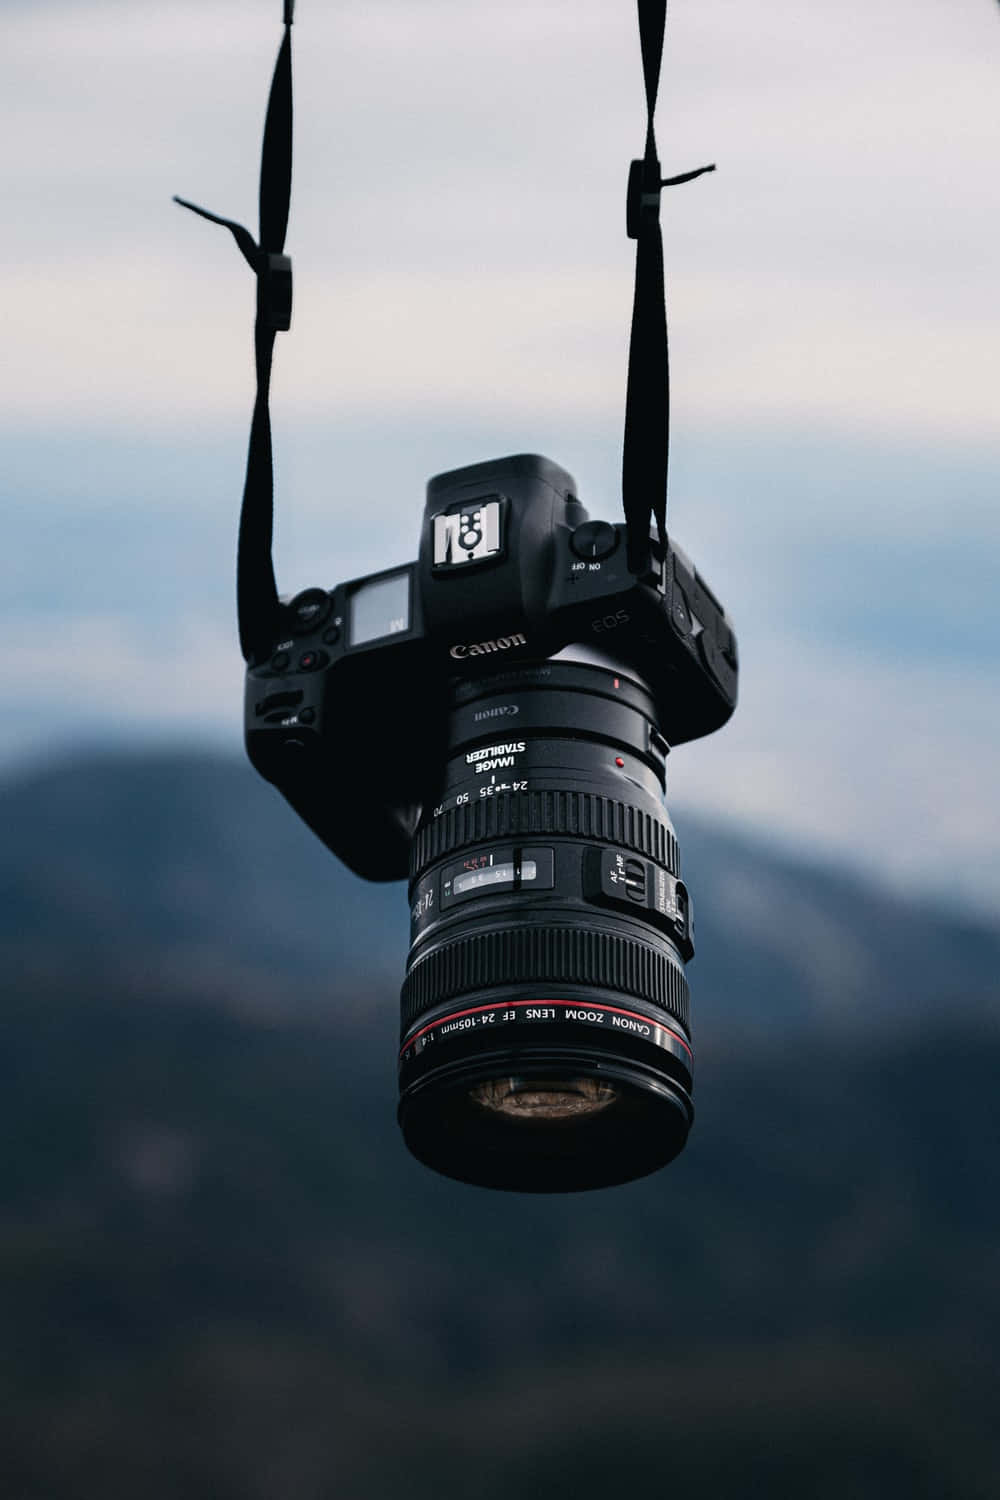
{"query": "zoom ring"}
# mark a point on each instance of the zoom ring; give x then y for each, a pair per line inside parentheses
(584, 814)
(539, 955)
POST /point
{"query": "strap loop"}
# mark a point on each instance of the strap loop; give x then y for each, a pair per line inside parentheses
(258, 606)
(643, 196)
(646, 447)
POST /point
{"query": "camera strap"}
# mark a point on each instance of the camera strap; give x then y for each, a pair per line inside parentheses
(646, 446)
(647, 401)
(256, 591)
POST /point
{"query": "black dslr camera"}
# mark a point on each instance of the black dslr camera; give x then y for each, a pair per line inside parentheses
(493, 721)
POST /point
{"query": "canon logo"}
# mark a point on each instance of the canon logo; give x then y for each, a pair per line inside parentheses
(483, 648)
(496, 713)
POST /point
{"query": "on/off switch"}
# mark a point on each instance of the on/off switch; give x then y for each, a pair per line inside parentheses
(594, 540)
(616, 878)
(635, 880)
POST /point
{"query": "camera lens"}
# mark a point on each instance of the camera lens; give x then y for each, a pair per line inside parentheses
(545, 1037)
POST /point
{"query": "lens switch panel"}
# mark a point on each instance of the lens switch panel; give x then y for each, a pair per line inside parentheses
(620, 879)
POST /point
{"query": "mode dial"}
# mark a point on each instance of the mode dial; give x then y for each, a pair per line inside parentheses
(309, 609)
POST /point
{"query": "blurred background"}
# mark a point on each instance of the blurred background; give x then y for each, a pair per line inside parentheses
(222, 1276)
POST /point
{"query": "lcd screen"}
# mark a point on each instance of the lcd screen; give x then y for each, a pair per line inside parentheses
(380, 608)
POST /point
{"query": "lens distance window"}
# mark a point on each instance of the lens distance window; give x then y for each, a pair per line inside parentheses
(492, 871)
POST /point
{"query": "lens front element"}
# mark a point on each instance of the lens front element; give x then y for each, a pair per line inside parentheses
(544, 1099)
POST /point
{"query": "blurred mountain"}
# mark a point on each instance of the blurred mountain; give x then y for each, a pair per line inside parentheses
(221, 1275)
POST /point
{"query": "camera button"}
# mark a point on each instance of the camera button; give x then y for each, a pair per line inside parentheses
(279, 661)
(332, 635)
(594, 540)
(711, 655)
(310, 609)
(727, 643)
(307, 716)
(311, 661)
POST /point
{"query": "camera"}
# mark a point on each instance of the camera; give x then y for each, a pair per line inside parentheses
(492, 722)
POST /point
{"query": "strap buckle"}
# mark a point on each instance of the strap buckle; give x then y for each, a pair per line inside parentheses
(642, 199)
(642, 202)
(274, 291)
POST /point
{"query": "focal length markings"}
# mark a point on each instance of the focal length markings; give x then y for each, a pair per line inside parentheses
(485, 792)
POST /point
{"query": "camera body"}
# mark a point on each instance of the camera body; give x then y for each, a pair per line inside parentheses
(347, 712)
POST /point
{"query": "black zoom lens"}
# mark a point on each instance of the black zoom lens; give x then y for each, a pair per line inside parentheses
(545, 1031)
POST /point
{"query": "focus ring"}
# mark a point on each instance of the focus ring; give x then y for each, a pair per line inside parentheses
(539, 955)
(584, 814)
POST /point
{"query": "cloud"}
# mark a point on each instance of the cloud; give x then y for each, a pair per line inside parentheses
(885, 765)
(868, 722)
(463, 288)
(457, 202)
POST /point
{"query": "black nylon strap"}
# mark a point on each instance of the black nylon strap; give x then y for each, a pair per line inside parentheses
(256, 592)
(646, 448)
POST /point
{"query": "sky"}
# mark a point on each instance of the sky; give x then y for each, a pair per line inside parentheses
(463, 290)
